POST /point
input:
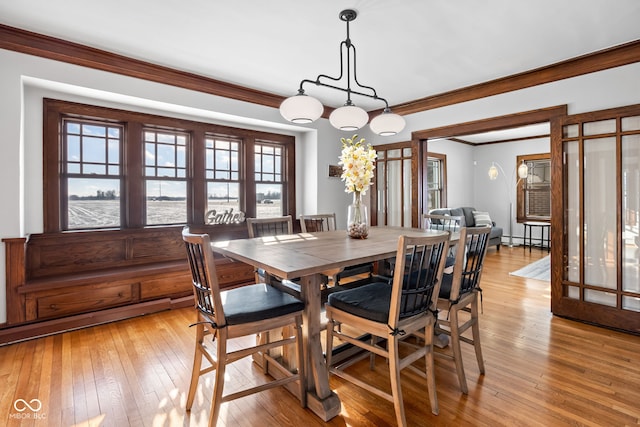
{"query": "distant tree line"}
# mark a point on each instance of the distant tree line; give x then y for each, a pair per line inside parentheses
(100, 195)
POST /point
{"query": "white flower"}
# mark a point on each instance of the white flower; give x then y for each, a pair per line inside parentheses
(358, 163)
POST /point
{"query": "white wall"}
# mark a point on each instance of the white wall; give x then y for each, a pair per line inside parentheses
(495, 196)
(460, 186)
(25, 79)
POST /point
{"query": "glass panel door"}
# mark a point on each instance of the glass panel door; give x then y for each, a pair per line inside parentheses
(600, 215)
(597, 272)
(393, 185)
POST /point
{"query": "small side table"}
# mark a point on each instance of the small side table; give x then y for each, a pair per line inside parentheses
(544, 226)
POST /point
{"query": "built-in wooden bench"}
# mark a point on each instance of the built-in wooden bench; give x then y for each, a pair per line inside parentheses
(60, 281)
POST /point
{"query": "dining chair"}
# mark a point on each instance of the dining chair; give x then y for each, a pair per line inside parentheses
(391, 313)
(317, 222)
(225, 315)
(442, 222)
(261, 227)
(271, 227)
(431, 222)
(459, 294)
(355, 275)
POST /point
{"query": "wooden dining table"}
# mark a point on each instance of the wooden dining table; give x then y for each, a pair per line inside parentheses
(307, 257)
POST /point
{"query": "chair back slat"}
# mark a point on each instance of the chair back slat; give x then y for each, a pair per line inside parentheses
(417, 281)
(206, 292)
(470, 254)
(477, 239)
(317, 223)
(261, 227)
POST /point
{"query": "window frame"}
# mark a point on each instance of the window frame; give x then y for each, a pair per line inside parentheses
(521, 212)
(133, 208)
(442, 159)
(79, 172)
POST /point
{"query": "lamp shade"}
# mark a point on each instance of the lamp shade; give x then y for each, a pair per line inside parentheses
(301, 109)
(523, 170)
(348, 117)
(493, 172)
(387, 124)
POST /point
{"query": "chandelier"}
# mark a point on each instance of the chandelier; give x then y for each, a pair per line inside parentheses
(302, 108)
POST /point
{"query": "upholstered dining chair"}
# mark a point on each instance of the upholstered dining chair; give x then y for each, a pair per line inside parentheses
(224, 315)
(459, 294)
(390, 313)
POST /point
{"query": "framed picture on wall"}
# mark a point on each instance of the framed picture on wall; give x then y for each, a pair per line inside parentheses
(335, 171)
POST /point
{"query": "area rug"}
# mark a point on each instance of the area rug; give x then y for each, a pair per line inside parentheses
(539, 270)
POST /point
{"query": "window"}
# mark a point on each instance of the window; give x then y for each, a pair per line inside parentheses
(436, 179)
(269, 182)
(534, 192)
(115, 169)
(165, 174)
(223, 173)
(91, 176)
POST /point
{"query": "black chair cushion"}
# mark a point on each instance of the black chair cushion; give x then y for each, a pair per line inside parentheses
(257, 302)
(449, 261)
(370, 301)
(445, 286)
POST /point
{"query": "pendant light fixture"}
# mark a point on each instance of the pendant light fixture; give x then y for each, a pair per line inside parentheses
(302, 108)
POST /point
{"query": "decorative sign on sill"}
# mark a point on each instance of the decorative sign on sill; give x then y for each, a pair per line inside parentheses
(228, 217)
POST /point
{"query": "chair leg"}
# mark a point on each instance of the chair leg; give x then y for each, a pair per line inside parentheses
(457, 353)
(430, 369)
(197, 364)
(329, 343)
(475, 328)
(301, 371)
(372, 355)
(263, 338)
(394, 374)
(218, 384)
(287, 350)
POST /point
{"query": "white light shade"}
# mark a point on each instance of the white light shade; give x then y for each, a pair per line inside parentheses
(523, 170)
(348, 117)
(493, 172)
(301, 109)
(387, 124)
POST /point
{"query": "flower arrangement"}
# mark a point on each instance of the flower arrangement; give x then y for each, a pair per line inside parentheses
(357, 162)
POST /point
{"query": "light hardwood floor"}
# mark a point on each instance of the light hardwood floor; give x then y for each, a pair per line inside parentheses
(541, 370)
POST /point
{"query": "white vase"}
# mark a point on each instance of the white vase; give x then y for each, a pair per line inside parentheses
(357, 218)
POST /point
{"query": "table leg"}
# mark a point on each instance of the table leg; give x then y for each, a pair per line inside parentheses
(320, 399)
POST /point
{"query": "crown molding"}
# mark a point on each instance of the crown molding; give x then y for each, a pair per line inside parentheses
(31, 43)
(624, 54)
(48, 47)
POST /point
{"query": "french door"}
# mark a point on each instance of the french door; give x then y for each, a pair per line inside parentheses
(596, 274)
(392, 189)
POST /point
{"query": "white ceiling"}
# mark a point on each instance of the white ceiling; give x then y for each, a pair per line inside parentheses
(407, 49)
(535, 130)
